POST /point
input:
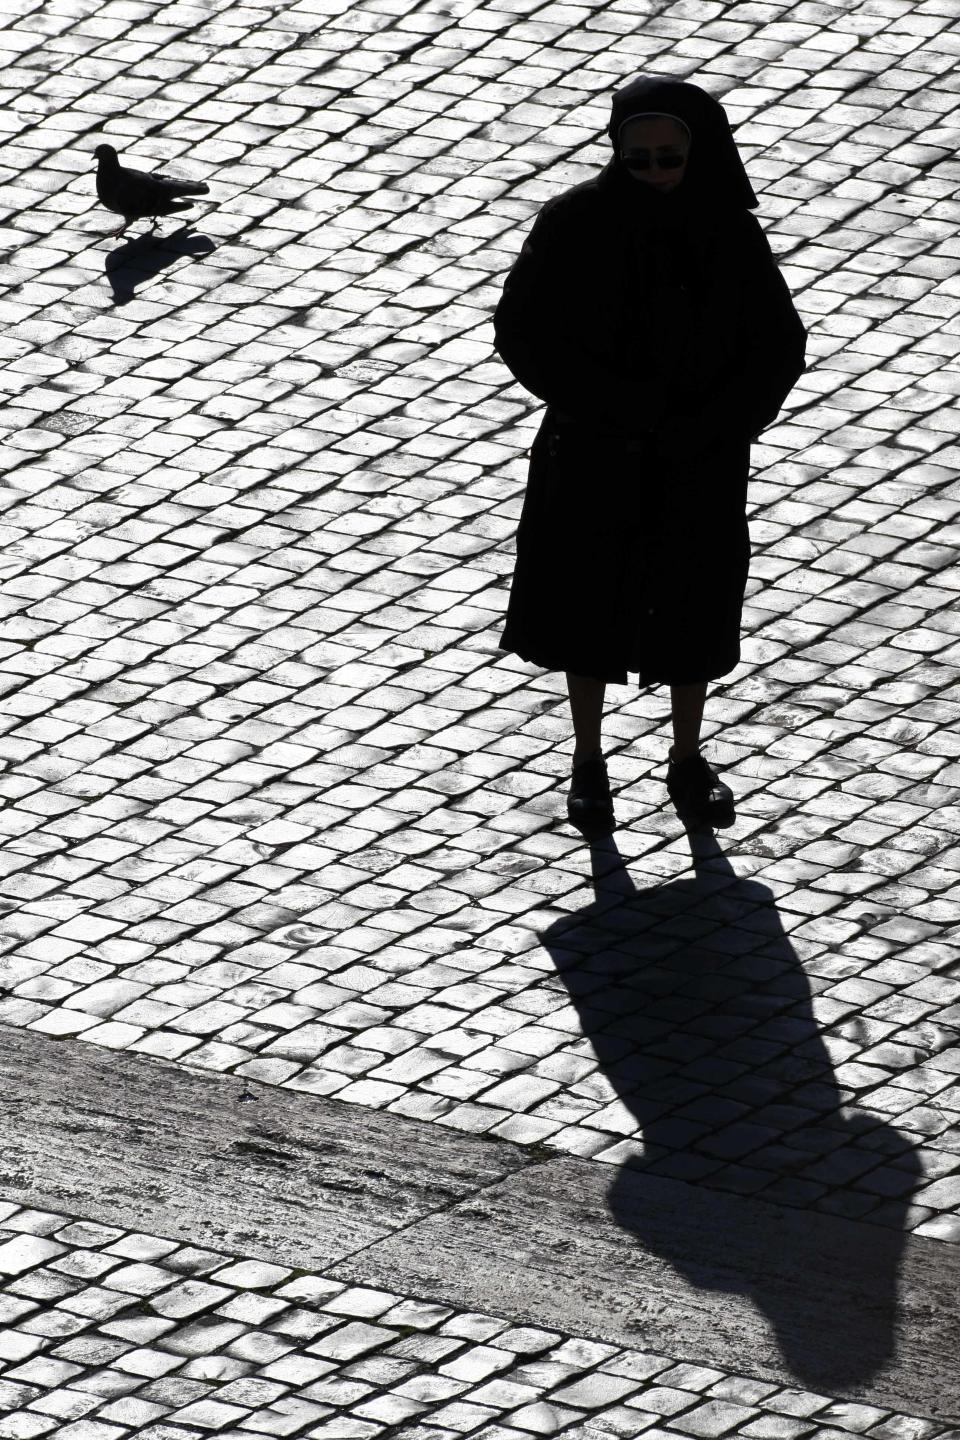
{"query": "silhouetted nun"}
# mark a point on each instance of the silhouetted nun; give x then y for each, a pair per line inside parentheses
(647, 310)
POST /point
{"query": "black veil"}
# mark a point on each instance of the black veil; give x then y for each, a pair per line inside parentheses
(715, 180)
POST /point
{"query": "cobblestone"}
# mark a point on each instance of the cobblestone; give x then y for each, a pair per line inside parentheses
(274, 802)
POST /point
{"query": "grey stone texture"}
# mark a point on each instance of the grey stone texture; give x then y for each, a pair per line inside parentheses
(274, 803)
(855, 1310)
(278, 1351)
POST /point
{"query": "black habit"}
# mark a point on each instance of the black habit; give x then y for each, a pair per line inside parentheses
(663, 338)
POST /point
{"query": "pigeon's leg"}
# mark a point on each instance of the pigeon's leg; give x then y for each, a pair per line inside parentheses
(121, 230)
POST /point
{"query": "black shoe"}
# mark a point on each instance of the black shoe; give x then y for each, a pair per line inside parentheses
(698, 793)
(589, 802)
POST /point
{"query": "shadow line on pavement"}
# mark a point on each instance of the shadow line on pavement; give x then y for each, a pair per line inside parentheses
(143, 257)
(700, 1014)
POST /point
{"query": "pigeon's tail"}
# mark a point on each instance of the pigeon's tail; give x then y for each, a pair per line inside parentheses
(186, 187)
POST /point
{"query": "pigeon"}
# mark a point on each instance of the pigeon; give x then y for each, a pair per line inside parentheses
(138, 196)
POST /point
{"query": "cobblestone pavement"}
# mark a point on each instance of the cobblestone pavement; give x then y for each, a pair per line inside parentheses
(109, 1333)
(275, 802)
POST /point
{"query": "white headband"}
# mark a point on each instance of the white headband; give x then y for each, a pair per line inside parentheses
(653, 115)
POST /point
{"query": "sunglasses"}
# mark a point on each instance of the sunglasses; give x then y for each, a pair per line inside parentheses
(663, 162)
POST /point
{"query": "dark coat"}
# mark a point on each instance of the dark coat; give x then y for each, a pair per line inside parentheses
(660, 356)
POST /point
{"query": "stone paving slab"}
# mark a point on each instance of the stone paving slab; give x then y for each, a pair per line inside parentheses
(855, 1310)
(146, 1145)
(109, 1333)
(274, 802)
(849, 1308)
(859, 1312)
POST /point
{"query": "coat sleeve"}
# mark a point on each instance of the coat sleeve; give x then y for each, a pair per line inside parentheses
(537, 348)
(772, 358)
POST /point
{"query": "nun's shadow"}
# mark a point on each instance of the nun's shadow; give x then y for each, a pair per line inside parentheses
(146, 255)
(700, 1015)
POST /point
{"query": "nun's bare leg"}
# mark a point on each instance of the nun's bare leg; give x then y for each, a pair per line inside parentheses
(586, 709)
(686, 704)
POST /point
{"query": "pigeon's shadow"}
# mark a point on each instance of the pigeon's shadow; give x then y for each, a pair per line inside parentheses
(144, 256)
(701, 1017)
